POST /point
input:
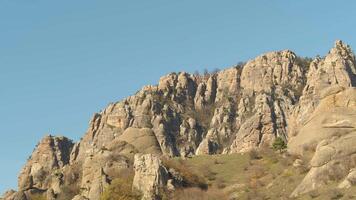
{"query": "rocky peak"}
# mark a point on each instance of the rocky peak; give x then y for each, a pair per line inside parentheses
(272, 71)
(51, 154)
(342, 49)
(338, 68)
(232, 110)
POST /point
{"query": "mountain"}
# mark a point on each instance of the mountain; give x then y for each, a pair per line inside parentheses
(310, 104)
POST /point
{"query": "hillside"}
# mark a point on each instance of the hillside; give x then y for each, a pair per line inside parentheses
(211, 135)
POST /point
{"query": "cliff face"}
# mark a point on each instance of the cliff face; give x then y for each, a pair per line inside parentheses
(233, 110)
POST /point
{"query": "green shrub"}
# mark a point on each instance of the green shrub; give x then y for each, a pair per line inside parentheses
(279, 144)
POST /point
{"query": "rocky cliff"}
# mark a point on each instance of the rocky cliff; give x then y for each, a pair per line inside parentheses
(238, 109)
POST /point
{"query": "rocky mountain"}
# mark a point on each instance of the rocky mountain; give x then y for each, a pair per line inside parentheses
(310, 104)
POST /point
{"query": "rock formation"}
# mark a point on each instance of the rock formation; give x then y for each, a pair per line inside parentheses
(43, 171)
(331, 133)
(150, 176)
(277, 94)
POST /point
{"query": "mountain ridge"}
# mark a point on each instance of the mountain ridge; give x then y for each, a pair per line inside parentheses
(234, 110)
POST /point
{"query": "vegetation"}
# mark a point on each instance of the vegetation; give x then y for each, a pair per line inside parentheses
(279, 144)
(206, 73)
(262, 174)
(259, 175)
(240, 65)
(37, 197)
(303, 61)
(121, 189)
(254, 154)
(190, 179)
(68, 192)
(198, 194)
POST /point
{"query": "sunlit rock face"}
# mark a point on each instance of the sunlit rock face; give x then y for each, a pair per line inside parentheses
(277, 94)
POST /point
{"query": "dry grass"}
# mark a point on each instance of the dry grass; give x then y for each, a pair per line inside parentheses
(198, 194)
(190, 179)
(37, 196)
(121, 188)
(254, 154)
(264, 174)
(242, 176)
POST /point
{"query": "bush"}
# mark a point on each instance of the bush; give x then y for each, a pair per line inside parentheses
(120, 189)
(335, 194)
(68, 192)
(314, 194)
(279, 144)
(257, 171)
(190, 179)
(254, 155)
(217, 162)
(220, 183)
(207, 173)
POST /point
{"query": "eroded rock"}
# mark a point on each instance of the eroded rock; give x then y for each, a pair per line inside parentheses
(150, 176)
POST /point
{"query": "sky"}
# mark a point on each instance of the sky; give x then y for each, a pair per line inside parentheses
(62, 61)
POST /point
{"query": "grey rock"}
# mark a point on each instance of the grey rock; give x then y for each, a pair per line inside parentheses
(150, 176)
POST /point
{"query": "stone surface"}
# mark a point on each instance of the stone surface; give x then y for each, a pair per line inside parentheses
(51, 154)
(150, 176)
(278, 94)
(9, 195)
(331, 132)
(349, 181)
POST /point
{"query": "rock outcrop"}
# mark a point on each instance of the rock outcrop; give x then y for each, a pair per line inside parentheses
(331, 131)
(349, 181)
(42, 171)
(337, 70)
(150, 176)
(309, 104)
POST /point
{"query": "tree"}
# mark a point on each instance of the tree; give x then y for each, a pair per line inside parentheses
(279, 144)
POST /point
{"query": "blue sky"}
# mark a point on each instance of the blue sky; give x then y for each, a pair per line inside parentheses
(62, 61)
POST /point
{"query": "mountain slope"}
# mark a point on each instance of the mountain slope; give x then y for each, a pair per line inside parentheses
(235, 110)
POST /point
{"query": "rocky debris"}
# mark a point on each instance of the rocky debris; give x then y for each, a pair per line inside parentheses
(298, 163)
(150, 176)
